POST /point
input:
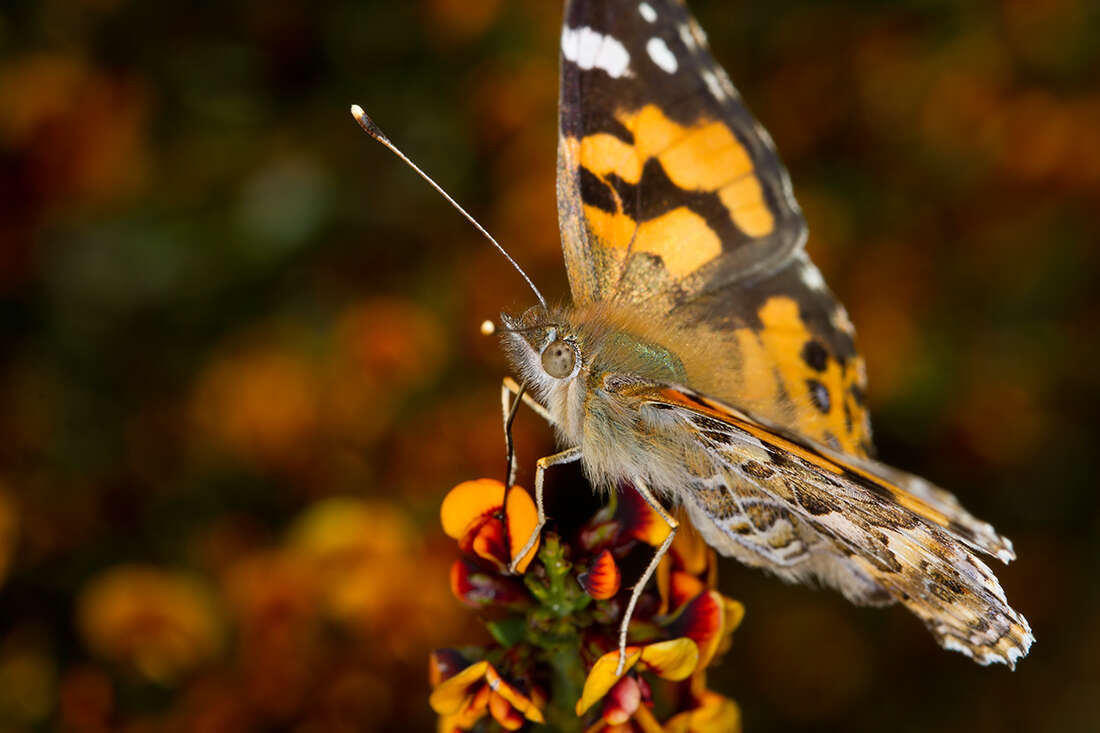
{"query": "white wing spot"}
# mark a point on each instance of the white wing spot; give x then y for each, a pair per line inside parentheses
(591, 50)
(714, 84)
(661, 55)
(725, 83)
(764, 135)
(647, 12)
(811, 276)
(685, 36)
(841, 320)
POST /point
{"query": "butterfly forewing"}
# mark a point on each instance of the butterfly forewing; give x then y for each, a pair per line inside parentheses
(672, 197)
(666, 182)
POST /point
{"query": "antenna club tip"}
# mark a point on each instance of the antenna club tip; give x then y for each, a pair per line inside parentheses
(488, 328)
(367, 123)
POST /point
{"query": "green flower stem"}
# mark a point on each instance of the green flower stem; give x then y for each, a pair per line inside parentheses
(555, 628)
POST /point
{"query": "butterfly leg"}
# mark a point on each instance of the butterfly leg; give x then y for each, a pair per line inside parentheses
(508, 411)
(510, 388)
(566, 456)
(673, 525)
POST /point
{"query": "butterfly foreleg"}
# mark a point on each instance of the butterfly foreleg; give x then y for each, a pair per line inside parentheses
(558, 459)
(510, 388)
(673, 525)
(508, 408)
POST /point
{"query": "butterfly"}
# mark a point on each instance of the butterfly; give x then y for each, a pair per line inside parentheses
(703, 360)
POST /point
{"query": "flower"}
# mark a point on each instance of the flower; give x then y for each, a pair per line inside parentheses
(555, 623)
(260, 405)
(359, 553)
(689, 575)
(672, 660)
(463, 693)
(713, 714)
(602, 581)
(161, 623)
(471, 513)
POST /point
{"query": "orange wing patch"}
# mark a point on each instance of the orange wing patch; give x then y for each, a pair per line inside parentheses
(704, 157)
(681, 238)
(603, 153)
(745, 200)
(819, 389)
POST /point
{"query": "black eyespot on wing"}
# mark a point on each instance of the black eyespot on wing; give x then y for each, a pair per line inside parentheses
(819, 394)
(815, 355)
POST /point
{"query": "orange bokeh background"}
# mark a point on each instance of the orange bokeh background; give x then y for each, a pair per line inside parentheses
(240, 362)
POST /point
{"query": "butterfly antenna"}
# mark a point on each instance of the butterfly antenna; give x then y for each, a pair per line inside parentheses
(374, 131)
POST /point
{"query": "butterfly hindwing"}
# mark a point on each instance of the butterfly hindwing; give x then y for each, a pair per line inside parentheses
(667, 186)
(785, 350)
(808, 514)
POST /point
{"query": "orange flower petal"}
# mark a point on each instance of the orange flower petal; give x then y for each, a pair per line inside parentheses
(449, 697)
(486, 538)
(467, 502)
(683, 587)
(602, 677)
(639, 520)
(522, 703)
(702, 621)
(734, 614)
(673, 660)
(474, 709)
(715, 714)
(444, 664)
(622, 701)
(679, 723)
(603, 579)
(645, 720)
(460, 584)
(522, 519)
(690, 549)
(503, 712)
(476, 588)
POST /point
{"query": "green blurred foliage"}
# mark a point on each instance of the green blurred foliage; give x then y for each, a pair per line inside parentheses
(221, 304)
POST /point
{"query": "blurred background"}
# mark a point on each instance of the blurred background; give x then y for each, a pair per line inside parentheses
(240, 362)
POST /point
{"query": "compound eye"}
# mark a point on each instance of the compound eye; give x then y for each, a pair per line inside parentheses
(558, 359)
